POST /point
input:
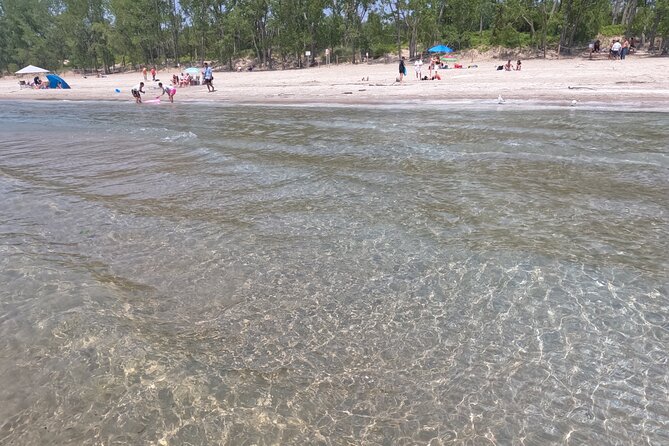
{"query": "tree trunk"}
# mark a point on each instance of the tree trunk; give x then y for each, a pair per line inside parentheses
(653, 32)
(628, 14)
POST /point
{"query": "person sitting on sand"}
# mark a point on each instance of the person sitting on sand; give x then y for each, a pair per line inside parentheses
(518, 65)
(136, 90)
(37, 82)
(435, 73)
(169, 90)
(508, 66)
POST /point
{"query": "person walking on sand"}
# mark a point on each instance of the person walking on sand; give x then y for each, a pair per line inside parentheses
(208, 77)
(144, 73)
(418, 68)
(403, 69)
(153, 73)
(169, 90)
(136, 90)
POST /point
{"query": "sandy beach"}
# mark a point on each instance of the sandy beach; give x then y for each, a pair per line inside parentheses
(637, 82)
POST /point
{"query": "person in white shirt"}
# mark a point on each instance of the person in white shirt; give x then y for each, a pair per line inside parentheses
(615, 50)
(136, 90)
(418, 67)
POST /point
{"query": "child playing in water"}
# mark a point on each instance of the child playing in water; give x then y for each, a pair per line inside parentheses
(169, 90)
(136, 90)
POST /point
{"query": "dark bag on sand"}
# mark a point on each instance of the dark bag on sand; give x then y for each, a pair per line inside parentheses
(500, 67)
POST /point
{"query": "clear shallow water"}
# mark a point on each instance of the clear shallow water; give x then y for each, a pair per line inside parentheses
(213, 275)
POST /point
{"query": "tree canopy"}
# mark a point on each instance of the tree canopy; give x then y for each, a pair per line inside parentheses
(101, 34)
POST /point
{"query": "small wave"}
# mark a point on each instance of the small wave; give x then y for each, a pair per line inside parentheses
(180, 136)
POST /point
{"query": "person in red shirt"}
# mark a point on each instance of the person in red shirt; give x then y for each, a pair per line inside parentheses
(153, 73)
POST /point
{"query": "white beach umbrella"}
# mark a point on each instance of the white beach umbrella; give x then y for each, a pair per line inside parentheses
(32, 69)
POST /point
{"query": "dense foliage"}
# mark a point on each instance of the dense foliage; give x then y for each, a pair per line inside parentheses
(102, 34)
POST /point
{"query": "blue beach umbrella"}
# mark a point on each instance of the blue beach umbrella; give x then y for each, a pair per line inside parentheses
(440, 49)
(192, 70)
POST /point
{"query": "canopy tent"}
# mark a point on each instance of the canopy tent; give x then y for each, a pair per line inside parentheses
(440, 49)
(32, 69)
(55, 81)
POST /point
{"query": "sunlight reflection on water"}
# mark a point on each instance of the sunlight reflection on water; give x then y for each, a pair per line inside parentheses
(212, 275)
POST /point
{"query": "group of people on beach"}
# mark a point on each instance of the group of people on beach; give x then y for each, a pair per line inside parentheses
(508, 66)
(171, 89)
(620, 50)
(40, 84)
(617, 50)
(153, 73)
(433, 68)
(436, 64)
(138, 90)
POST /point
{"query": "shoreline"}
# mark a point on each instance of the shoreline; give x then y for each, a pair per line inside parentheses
(638, 83)
(471, 103)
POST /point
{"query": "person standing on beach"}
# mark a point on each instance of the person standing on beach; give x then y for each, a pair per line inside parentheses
(624, 51)
(144, 73)
(136, 90)
(153, 73)
(208, 78)
(418, 67)
(403, 69)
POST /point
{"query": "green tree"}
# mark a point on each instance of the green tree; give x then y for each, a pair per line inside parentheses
(29, 29)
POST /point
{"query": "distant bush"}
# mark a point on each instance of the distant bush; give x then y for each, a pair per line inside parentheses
(480, 41)
(510, 38)
(612, 30)
(381, 49)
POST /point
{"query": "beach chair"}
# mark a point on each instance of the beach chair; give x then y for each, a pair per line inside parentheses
(23, 84)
